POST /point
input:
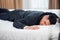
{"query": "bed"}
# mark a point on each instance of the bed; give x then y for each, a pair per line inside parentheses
(8, 32)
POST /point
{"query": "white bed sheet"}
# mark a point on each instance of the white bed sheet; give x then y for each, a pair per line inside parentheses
(8, 32)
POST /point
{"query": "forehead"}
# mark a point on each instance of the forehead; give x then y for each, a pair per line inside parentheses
(46, 16)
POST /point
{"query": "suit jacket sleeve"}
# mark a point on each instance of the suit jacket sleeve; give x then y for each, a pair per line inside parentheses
(20, 24)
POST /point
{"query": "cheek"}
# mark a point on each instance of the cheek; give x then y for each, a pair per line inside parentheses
(47, 22)
(42, 23)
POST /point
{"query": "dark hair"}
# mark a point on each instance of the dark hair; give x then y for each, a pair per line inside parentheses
(52, 17)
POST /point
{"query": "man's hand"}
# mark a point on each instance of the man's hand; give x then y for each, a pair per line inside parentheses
(34, 27)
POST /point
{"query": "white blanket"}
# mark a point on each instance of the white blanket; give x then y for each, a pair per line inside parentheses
(8, 32)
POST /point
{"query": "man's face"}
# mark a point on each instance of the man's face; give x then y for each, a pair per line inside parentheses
(45, 20)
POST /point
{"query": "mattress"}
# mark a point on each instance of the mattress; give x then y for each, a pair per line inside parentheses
(8, 32)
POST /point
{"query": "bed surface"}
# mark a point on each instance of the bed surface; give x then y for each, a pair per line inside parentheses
(8, 32)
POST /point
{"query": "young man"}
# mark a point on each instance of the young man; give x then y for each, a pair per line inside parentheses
(28, 19)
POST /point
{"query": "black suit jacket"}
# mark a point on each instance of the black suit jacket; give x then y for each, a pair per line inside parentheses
(21, 18)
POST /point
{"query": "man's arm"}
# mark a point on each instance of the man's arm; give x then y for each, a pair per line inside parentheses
(21, 25)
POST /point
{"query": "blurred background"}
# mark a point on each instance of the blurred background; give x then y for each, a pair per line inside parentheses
(30, 4)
